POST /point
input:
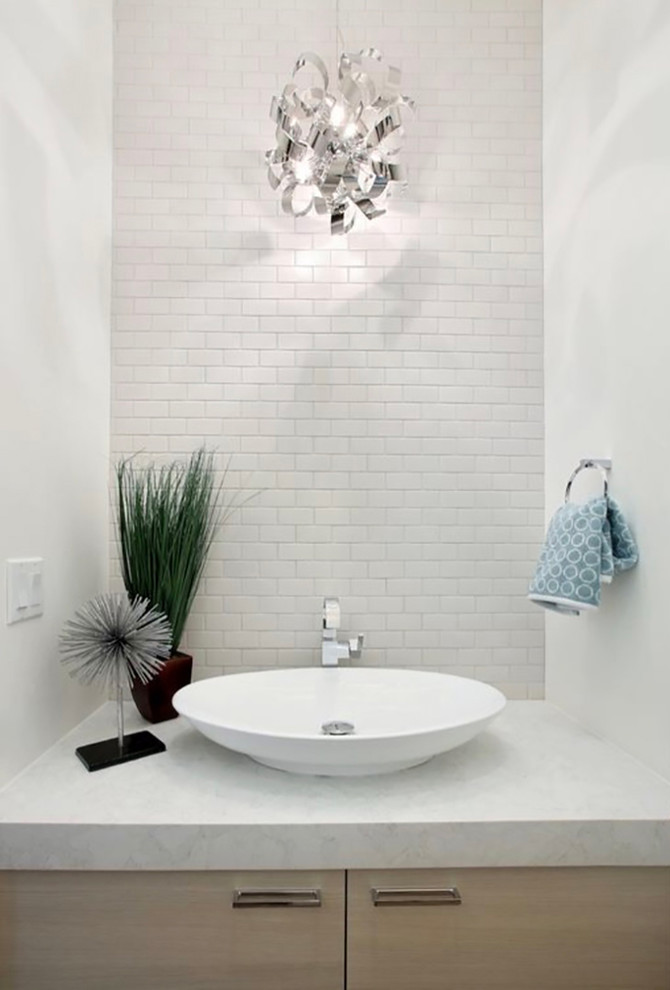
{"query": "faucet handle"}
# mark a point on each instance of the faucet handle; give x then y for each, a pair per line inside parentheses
(356, 646)
(332, 618)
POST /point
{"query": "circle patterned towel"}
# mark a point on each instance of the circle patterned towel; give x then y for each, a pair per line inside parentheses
(586, 545)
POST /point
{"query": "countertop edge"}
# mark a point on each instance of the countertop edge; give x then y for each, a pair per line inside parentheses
(377, 845)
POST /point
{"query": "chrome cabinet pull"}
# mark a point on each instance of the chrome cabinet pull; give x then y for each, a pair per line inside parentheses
(267, 897)
(404, 896)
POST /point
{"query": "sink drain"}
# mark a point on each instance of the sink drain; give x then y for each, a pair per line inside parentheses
(337, 728)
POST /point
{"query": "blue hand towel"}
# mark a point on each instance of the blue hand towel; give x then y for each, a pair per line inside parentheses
(586, 545)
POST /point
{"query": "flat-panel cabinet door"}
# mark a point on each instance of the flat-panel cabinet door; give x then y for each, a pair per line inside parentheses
(509, 929)
(172, 931)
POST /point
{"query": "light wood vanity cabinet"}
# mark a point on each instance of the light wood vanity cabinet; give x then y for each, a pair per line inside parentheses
(171, 931)
(514, 929)
(461, 929)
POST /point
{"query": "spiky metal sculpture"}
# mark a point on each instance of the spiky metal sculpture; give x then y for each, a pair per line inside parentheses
(115, 640)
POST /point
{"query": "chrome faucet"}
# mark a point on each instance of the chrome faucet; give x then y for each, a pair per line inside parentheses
(333, 651)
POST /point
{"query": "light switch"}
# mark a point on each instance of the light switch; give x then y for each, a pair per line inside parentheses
(35, 597)
(24, 589)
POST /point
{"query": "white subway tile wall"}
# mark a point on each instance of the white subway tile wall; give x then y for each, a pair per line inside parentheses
(383, 390)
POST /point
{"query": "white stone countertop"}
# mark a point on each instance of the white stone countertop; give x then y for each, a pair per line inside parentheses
(535, 789)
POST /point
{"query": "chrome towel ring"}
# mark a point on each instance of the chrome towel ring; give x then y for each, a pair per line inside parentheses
(601, 464)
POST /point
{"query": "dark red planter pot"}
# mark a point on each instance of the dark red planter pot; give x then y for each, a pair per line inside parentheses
(154, 700)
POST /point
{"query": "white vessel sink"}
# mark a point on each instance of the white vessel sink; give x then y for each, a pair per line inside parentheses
(395, 718)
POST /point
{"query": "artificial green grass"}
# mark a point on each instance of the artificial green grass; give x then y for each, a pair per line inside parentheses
(167, 518)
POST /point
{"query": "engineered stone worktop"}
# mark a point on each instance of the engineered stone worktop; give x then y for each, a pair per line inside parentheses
(535, 789)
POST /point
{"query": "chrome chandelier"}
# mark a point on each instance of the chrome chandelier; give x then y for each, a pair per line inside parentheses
(336, 152)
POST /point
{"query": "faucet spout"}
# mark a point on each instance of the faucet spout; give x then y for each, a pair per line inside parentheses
(333, 652)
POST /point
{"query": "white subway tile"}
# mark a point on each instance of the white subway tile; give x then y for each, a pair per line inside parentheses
(383, 389)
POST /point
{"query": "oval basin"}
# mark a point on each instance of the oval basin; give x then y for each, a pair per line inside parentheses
(384, 719)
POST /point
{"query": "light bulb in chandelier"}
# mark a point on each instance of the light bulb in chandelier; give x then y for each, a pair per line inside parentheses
(338, 115)
(342, 146)
(303, 170)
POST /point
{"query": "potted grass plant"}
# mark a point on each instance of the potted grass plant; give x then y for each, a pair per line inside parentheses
(167, 518)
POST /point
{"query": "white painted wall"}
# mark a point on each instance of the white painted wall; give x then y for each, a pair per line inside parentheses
(607, 354)
(384, 389)
(55, 233)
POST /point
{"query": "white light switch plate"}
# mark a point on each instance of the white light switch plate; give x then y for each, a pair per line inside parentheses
(25, 594)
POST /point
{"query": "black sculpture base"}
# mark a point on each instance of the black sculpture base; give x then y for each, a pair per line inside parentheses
(106, 753)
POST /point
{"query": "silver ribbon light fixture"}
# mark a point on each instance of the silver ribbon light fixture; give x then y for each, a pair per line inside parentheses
(336, 152)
